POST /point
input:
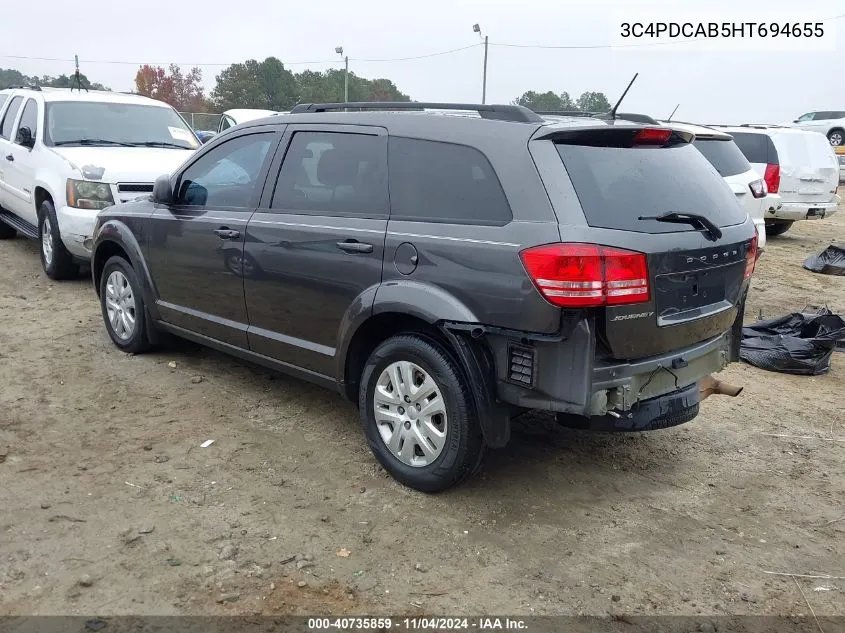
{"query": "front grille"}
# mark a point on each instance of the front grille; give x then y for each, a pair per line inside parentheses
(135, 187)
(521, 365)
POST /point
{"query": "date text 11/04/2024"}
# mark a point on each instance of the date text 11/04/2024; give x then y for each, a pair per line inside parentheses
(417, 624)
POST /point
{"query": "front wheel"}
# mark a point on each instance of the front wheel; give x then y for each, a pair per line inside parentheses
(836, 137)
(777, 227)
(56, 261)
(122, 305)
(418, 414)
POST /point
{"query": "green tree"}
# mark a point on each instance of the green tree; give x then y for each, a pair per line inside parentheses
(593, 102)
(264, 85)
(317, 87)
(68, 81)
(11, 77)
(545, 101)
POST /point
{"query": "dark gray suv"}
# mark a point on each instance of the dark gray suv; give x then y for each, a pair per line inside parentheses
(444, 272)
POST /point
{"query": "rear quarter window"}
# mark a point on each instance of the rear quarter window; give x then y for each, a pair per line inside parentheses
(433, 181)
(616, 186)
(724, 155)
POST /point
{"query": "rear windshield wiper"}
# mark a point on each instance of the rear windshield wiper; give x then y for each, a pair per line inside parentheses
(688, 218)
(92, 141)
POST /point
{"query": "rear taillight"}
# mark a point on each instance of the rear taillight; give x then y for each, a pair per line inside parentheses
(758, 188)
(772, 178)
(652, 136)
(587, 275)
(751, 256)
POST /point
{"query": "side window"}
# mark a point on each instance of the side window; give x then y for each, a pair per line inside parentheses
(823, 116)
(805, 117)
(432, 181)
(332, 173)
(9, 118)
(226, 122)
(29, 118)
(2, 101)
(228, 175)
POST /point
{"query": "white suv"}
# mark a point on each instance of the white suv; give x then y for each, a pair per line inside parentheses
(64, 155)
(799, 166)
(747, 185)
(831, 123)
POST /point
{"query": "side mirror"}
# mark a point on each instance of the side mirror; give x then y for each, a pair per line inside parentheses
(24, 137)
(162, 190)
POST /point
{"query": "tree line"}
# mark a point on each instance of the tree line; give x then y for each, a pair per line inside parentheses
(269, 85)
(266, 85)
(11, 77)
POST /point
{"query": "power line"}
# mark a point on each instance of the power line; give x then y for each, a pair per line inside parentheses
(303, 63)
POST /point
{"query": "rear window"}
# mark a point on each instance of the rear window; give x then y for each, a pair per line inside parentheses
(724, 155)
(616, 186)
(758, 148)
(807, 150)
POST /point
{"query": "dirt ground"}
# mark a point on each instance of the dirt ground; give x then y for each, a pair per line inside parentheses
(109, 505)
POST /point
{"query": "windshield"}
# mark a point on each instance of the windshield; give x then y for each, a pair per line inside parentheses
(105, 124)
(724, 155)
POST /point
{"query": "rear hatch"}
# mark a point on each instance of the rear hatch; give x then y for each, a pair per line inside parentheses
(809, 171)
(662, 285)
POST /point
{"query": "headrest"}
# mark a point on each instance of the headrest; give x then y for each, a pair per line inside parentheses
(337, 168)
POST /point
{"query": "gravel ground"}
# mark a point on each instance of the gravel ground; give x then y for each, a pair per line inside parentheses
(111, 506)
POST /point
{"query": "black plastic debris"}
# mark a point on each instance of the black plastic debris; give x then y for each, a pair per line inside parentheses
(831, 261)
(800, 343)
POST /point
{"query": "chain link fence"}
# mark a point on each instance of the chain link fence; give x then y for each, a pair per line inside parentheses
(202, 120)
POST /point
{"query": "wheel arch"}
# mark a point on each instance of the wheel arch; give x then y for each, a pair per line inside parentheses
(115, 238)
(431, 313)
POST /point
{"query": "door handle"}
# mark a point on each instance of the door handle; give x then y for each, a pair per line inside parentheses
(10, 158)
(225, 233)
(354, 246)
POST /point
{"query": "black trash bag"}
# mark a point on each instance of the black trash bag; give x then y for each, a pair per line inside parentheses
(800, 343)
(831, 261)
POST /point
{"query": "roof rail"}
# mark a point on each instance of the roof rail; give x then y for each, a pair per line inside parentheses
(761, 125)
(566, 113)
(514, 113)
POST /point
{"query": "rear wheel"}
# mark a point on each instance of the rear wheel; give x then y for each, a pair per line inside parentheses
(55, 259)
(836, 137)
(418, 414)
(122, 304)
(777, 227)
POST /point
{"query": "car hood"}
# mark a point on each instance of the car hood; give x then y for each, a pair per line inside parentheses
(125, 164)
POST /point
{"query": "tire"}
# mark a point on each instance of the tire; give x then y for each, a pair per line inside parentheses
(778, 227)
(836, 137)
(6, 231)
(461, 443)
(56, 261)
(124, 313)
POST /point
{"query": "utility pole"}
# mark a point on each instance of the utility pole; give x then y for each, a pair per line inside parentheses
(484, 81)
(477, 29)
(339, 51)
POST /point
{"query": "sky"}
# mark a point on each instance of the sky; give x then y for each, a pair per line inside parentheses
(711, 86)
